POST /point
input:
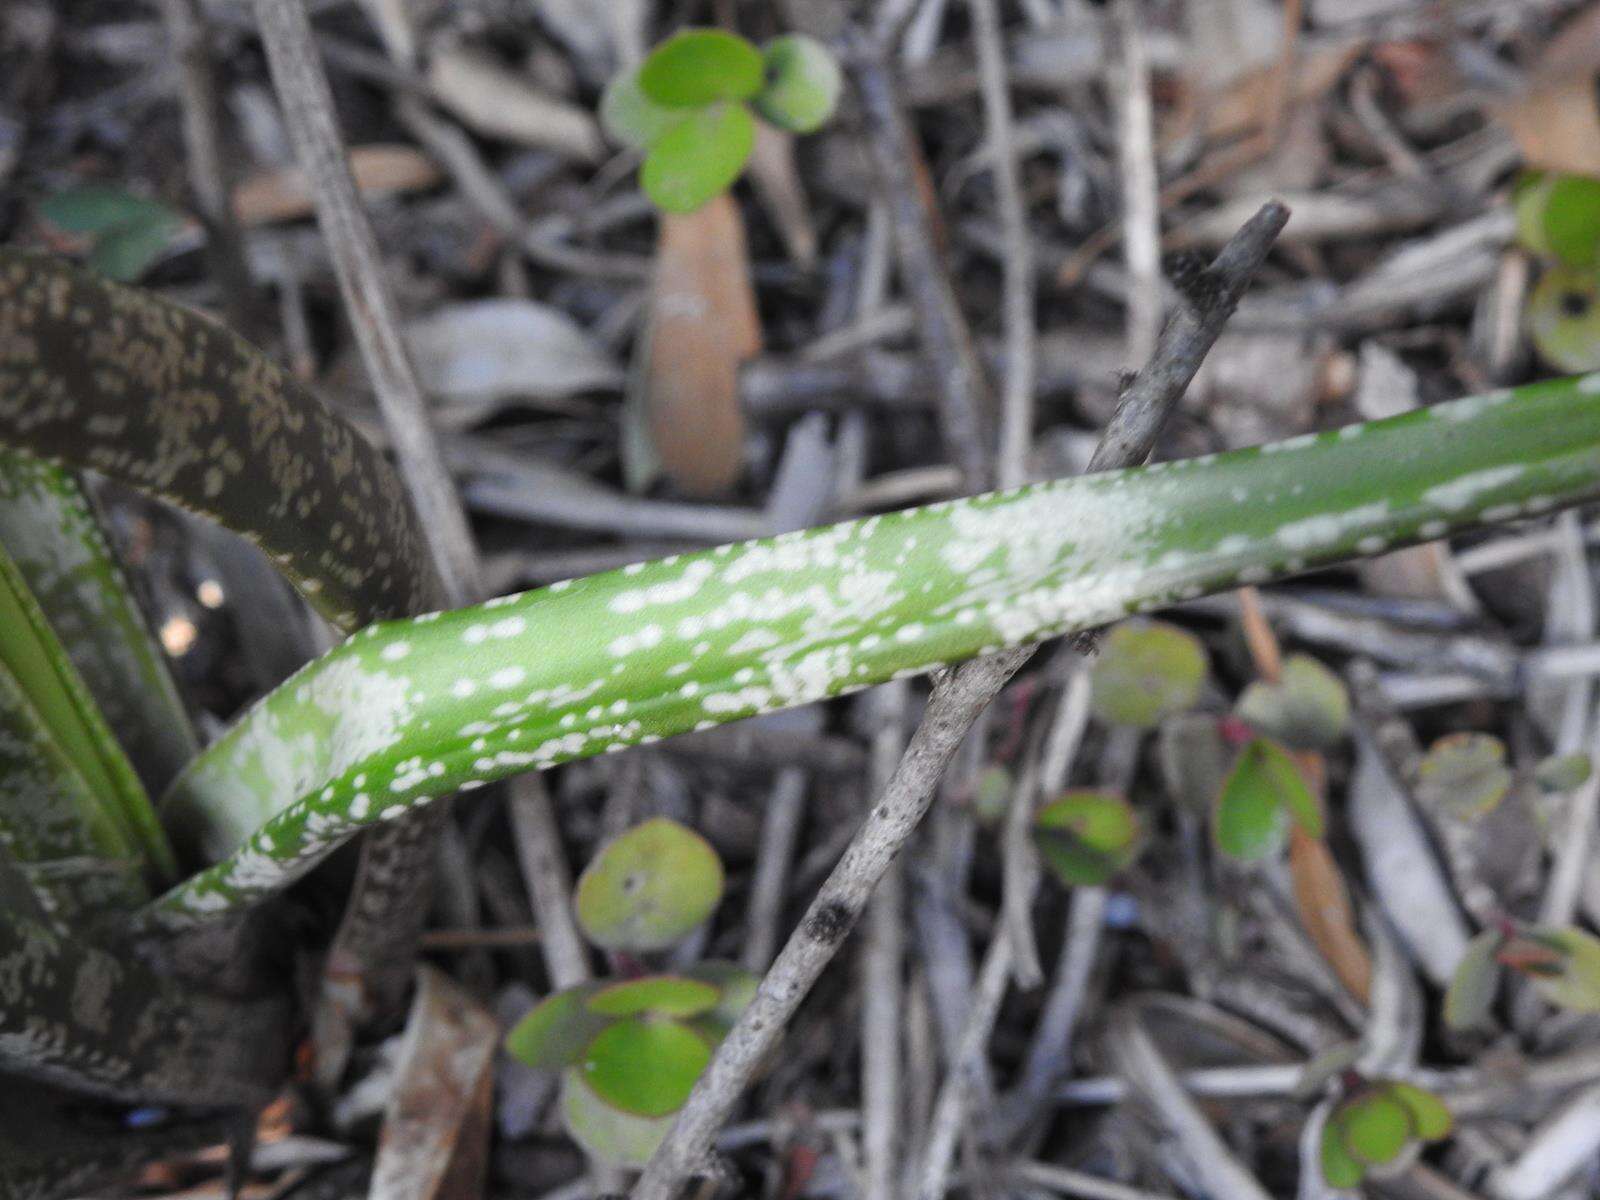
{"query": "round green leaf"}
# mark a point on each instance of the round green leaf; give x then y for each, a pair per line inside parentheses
(632, 118)
(1263, 791)
(1146, 671)
(1464, 773)
(1558, 216)
(1562, 772)
(645, 1067)
(803, 83)
(554, 1034)
(1430, 1118)
(1563, 317)
(1339, 1169)
(991, 794)
(649, 887)
(663, 995)
(610, 1135)
(1575, 982)
(130, 232)
(699, 157)
(1086, 837)
(1472, 988)
(1375, 1126)
(700, 66)
(1309, 709)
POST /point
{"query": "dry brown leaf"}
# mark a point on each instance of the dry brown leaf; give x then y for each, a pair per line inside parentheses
(1326, 913)
(1239, 110)
(1556, 121)
(703, 324)
(500, 103)
(380, 170)
(436, 1128)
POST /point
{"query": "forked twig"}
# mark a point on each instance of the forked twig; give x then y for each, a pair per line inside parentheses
(957, 700)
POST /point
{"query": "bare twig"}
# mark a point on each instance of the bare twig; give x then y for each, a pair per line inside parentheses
(369, 965)
(1016, 411)
(958, 698)
(544, 870)
(769, 884)
(302, 89)
(1141, 203)
(966, 406)
(202, 140)
(882, 961)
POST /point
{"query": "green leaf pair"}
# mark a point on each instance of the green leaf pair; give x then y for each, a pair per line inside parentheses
(1558, 219)
(1373, 1128)
(1263, 793)
(687, 106)
(630, 1051)
(1087, 837)
(128, 232)
(1563, 963)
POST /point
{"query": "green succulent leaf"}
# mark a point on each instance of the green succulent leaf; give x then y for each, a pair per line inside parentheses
(1375, 1126)
(649, 888)
(660, 995)
(1194, 759)
(701, 66)
(1340, 1169)
(1430, 1116)
(1146, 671)
(411, 710)
(645, 1067)
(1263, 792)
(1472, 989)
(1574, 983)
(53, 536)
(699, 157)
(1086, 837)
(991, 794)
(557, 1031)
(1309, 709)
(1563, 316)
(632, 118)
(803, 82)
(1558, 216)
(608, 1134)
(1562, 772)
(1464, 773)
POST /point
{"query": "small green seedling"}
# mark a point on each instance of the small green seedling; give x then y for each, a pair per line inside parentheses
(1263, 793)
(1558, 219)
(1087, 837)
(1146, 672)
(1465, 774)
(688, 107)
(127, 233)
(1562, 773)
(1562, 962)
(629, 1051)
(1307, 709)
(1377, 1128)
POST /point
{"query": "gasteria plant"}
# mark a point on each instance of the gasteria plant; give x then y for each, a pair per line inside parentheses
(94, 375)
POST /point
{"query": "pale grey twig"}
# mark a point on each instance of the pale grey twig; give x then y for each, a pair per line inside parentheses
(1067, 1182)
(1016, 402)
(769, 881)
(549, 883)
(959, 697)
(1141, 200)
(882, 962)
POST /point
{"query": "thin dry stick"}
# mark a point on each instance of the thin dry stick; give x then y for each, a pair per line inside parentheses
(957, 700)
(882, 961)
(1141, 201)
(202, 142)
(549, 883)
(965, 405)
(369, 965)
(769, 882)
(1016, 402)
(949, 1114)
(307, 101)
